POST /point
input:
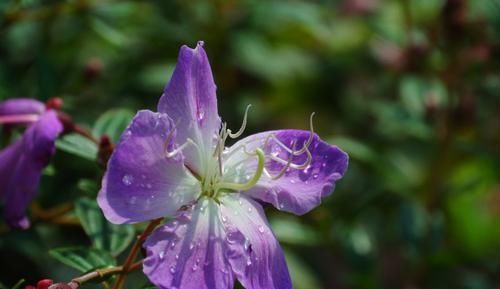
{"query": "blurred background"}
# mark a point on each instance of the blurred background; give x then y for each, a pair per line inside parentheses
(409, 88)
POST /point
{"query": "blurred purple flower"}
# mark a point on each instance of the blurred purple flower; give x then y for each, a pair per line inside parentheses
(174, 163)
(22, 162)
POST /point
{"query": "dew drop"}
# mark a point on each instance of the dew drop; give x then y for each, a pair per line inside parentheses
(200, 115)
(127, 180)
(224, 219)
(176, 256)
(315, 176)
(162, 254)
(281, 205)
(149, 186)
(172, 269)
(249, 209)
(195, 267)
(191, 246)
(261, 229)
(172, 245)
(246, 245)
(293, 181)
(249, 262)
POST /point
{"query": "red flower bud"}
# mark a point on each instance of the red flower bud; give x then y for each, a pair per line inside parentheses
(44, 284)
(54, 103)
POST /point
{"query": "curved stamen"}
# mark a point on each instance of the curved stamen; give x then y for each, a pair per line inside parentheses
(170, 135)
(283, 170)
(252, 181)
(181, 148)
(294, 166)
(311, 136)
(243, 125)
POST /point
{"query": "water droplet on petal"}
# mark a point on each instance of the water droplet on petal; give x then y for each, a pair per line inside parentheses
(261, 229)
(249, 209)
(200, 115)
(172, 269)
(132, 200)
(162, 254)
(246, 245)
(176, 256)
(195, 267)
(224, 219)
(149, 186)
(127, 180)
(293, 181)
(315, 176)
(249, 262)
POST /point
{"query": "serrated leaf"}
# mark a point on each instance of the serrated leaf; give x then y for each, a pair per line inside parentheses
(112, 123)
(104, 235)
(83, 259)
(78, 145)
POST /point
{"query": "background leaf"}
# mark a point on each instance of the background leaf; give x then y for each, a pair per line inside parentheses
(83, 259)
(112, 123)
(78, 145)
(104, 235)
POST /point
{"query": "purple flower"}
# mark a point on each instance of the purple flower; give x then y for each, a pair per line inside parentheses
(174, 163)
(22, 162)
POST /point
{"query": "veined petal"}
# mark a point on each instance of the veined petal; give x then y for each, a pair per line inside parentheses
(22, 164)
(254, 253)
(301, 187)
(21, 106)
(188, 251)
(141, 183)
(190, 100)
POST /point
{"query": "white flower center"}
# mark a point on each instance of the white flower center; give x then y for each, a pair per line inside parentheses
(212, 182)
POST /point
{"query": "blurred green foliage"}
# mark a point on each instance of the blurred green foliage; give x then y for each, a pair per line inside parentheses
(409, 88)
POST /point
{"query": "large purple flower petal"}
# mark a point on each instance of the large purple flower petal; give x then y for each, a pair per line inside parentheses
(254, 253)
(190, 100)
(141, 182)
(188, 252)
(297, 190)
(22, 164)
(21, 106)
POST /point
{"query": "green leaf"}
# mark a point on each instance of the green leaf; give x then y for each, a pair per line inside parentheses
(104, 235)
(83, 259)
(112, 123)
(78, 145)
(18, 284)
(290, 230)
(302, 275)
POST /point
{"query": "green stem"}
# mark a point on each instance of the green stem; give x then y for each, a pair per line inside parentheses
(104, 272)
(128, 264)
